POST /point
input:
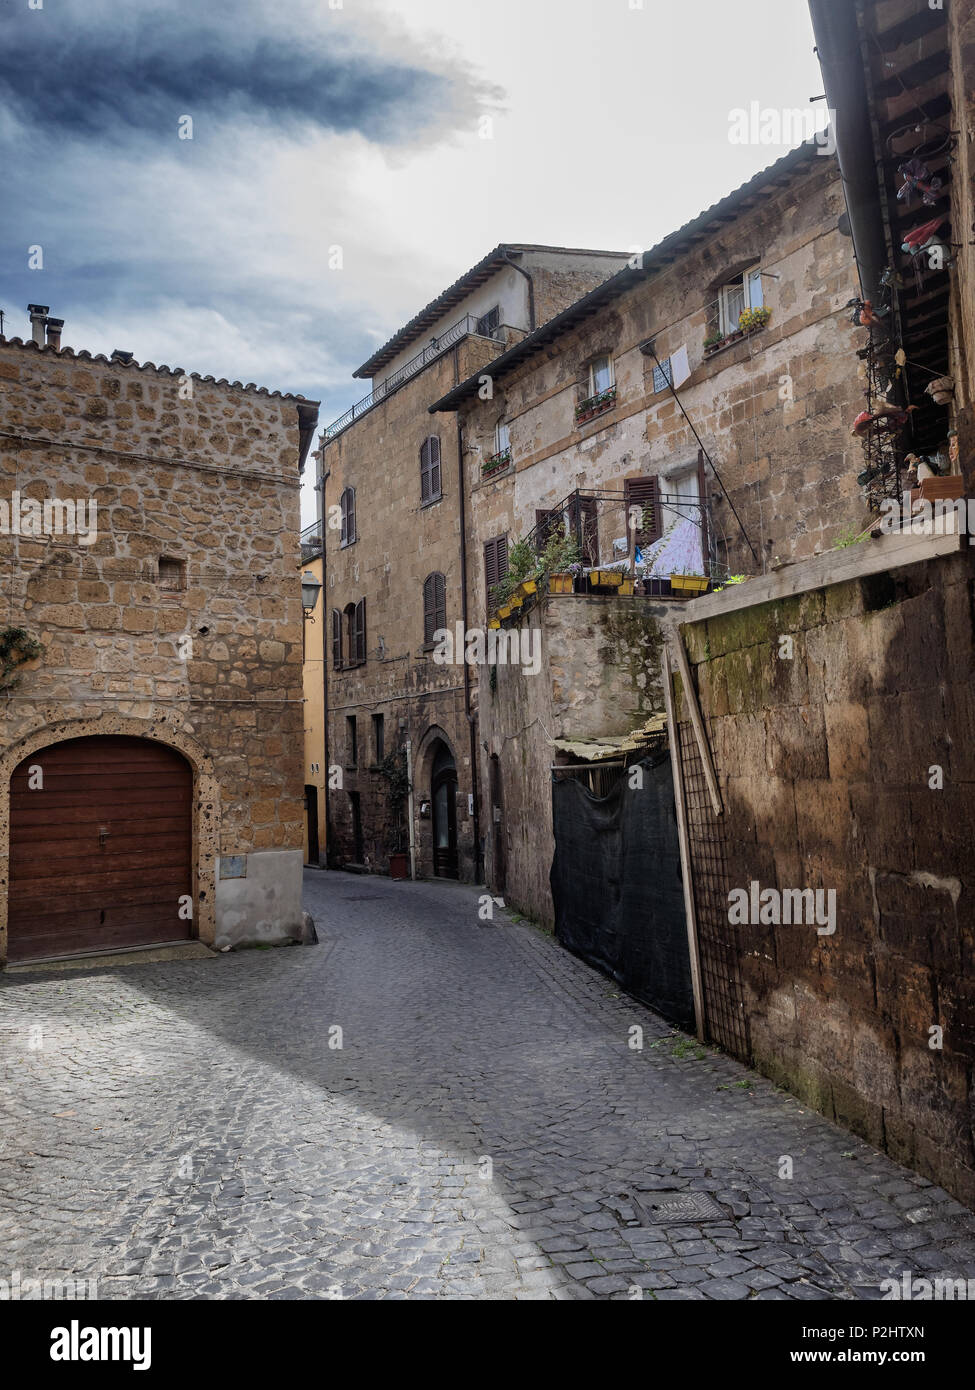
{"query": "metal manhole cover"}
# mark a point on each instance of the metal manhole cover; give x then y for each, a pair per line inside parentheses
(673, 1208)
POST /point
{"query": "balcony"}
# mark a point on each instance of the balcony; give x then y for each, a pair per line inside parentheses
(463, 328)
(311, 541)
(583, 545)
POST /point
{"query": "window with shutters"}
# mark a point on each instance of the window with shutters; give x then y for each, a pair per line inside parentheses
(434, 607)
(336, 639)
(360, 632)
(378, 737)
(430, 471)
(583, 524)
(495, 564)
(642, 503)
(347, 506)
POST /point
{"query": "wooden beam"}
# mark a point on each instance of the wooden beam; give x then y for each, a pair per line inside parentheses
(694, 709)
(686, 871)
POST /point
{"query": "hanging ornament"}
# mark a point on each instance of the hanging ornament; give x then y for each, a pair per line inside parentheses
(917, 179)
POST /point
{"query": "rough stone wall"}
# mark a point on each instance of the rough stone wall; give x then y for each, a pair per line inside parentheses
(599, 675)
(774, 409)
(211, 481)
(829, 763)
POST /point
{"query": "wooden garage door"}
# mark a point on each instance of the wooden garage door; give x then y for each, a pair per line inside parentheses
(101, 853)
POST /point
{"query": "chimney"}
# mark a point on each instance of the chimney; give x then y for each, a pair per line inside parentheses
(38, 317)
(54, 327)
(121, 355)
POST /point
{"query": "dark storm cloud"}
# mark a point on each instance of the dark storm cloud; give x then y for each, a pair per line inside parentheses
(115, 68)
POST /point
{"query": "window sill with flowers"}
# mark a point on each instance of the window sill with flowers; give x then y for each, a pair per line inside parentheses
(595, 405)
(749, 321)
(497, 463)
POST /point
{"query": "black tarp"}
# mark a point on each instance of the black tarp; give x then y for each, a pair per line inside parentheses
(616, 885)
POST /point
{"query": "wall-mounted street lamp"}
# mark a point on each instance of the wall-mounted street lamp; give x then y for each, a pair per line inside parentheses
(310, 589)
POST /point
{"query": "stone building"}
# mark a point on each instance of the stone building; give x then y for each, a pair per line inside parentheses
(748, 463)
(150, 738)
(313, 677)
(395, 567)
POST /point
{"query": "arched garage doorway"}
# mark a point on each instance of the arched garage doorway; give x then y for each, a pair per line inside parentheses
(101, 847)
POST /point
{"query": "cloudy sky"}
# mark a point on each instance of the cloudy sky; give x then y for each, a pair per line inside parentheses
(413, 134)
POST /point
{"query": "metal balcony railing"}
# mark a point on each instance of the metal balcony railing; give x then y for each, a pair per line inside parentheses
(434, 349)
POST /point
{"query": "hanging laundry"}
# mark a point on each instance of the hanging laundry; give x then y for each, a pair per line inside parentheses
(888, 418)
(916, 238)
(917, 179)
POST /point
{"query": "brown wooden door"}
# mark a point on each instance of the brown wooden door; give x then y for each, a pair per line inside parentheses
(101, 853)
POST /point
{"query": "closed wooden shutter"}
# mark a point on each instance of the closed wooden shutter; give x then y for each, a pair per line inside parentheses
(336, 639)
(644, 493)
(495, 562)
(546, 525)
(348, 516)
(584, 526)
(434, 605)
(430, 469)
(360, 631)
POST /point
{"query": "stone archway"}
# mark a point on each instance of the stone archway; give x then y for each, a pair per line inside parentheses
(205, 802)
(435, 782)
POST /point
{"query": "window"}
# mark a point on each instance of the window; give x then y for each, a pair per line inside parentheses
(430, 470)
(502, 437)
(379, 737)
(352, 740)
(347, 505)
(336, 639)
(172, 573)
(741, 293)
(495, 562)
(434, 606)
(355, 625)
(641, 498)
(600, 375)
(489, 323)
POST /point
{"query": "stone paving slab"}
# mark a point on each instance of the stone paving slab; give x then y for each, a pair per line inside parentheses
(193, 1130)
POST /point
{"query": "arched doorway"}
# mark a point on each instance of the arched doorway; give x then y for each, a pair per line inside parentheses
(101, 848)
(443, 798)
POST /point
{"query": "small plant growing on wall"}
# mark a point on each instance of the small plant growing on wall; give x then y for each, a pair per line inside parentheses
(17, 646)
(393, 768)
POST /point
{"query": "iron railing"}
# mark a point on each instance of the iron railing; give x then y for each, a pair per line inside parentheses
(461, 329)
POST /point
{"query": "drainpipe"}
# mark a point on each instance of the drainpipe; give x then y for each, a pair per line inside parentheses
(409, 779)
(531, 289)
(472, 732)
(841, 60)
(326, 642)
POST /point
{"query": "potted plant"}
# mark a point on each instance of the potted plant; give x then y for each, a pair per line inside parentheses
(656, 585)
(713, 341)
(688, 582)
(751, 319)
(559, 560)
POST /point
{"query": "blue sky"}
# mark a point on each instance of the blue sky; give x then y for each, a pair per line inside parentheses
(413, 134)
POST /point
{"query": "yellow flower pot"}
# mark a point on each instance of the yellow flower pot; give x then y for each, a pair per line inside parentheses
(504, 611)
(607, 578)
(688, 583)
(627, 586)
(495, 622)
(528, 586)
(560, 584)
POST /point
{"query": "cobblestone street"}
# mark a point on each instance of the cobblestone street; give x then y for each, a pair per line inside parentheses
(185, 1130)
